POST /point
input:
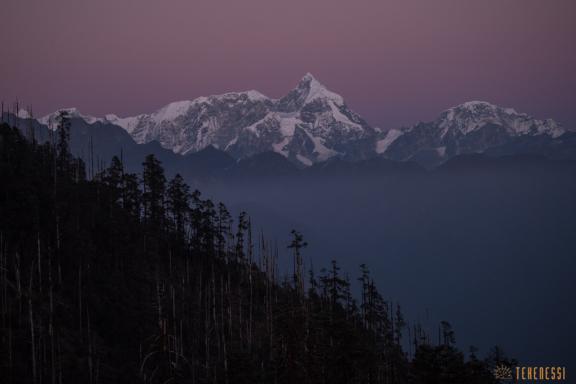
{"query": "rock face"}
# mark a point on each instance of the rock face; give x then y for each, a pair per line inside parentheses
(311, 124)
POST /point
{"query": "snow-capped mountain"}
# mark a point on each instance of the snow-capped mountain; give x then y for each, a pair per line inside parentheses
(312, 124)
(472, 127)
(308, 125)
(474, 115)
(51, 120)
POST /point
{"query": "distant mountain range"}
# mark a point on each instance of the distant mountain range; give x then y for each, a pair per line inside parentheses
(309, 126)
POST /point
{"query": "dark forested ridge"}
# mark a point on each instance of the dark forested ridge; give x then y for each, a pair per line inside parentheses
(126, 278)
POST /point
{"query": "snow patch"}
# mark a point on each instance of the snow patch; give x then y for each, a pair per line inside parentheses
(173, 111)
(279, 147)
(391, 136)
(304, 160)
(340, 117)
(323, 152)
(23, 114)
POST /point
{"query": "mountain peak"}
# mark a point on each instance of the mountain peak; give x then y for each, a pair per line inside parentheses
(23, 114)
(312, 89)
(472, 115)
(73, 113)
(476, 103)
(308, 77)
(478, 106)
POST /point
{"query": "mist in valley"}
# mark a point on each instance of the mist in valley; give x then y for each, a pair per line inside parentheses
(491, 250)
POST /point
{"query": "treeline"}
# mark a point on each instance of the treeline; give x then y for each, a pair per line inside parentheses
(126, 278)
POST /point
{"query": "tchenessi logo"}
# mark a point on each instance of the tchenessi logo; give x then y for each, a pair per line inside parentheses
(524, 373)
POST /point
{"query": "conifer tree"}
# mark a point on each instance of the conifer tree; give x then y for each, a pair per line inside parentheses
(178, 196)
(154, 185)
(296, 245)
(63, 144)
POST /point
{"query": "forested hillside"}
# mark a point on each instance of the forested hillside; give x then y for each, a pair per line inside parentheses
(132, 278)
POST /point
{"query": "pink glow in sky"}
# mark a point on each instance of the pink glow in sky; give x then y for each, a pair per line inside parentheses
(395, 62)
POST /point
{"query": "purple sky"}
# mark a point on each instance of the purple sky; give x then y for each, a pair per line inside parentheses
(395, 62)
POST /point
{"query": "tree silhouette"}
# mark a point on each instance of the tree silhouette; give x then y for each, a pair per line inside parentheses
(126, 278)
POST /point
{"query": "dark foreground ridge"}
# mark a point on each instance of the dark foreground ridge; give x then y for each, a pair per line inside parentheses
(126, 278)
